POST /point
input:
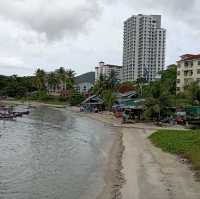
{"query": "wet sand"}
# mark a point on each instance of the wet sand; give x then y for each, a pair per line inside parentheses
(114, 178)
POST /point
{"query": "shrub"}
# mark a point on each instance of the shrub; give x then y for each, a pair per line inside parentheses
(76, 99)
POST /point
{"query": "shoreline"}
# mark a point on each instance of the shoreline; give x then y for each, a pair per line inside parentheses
(140, 169)
(114, 178)
(137, 169)
(31, 103)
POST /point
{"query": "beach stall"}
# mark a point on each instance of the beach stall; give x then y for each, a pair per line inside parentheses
(135, 108)
(193, 114)
(130, 104)
(93, 104)
(120, 103)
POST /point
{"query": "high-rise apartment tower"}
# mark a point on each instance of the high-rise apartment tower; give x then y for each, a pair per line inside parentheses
(144, 47)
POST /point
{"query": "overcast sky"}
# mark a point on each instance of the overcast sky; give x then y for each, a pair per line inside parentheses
(78, 34)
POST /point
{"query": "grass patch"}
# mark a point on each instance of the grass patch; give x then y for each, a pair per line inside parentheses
(184, 143)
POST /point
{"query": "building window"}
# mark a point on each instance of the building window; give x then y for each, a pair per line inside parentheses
(199, 63)
(178, 81)
(178, 88)
(185, 73)
(178, 73)
(186, 63)
(198, 71)
(179, 66)
(189, 73)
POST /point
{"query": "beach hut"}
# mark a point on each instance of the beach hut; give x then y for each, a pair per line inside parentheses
(93, 104)
(135, 108)
(193, 114)
(129, 102)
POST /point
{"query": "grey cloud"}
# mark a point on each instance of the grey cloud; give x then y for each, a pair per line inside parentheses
(51, 17)
(56, 18)
(11, 61)
(27, 24)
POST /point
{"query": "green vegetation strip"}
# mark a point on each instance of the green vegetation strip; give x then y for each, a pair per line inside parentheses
(184, 143)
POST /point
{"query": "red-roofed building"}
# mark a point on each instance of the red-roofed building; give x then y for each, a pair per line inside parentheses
(188, 70)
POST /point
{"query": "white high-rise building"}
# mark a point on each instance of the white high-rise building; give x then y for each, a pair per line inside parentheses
(144, 47)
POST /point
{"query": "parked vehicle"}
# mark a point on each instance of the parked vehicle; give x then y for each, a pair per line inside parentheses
(181, 117)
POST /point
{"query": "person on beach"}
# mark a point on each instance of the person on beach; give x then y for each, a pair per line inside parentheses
(96, 110)
(125, 116)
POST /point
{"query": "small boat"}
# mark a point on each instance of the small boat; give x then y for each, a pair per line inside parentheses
(9, 113)
(6, 116)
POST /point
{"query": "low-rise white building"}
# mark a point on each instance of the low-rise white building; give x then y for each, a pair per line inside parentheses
(105, 70)
(188, 71)
(84, 82)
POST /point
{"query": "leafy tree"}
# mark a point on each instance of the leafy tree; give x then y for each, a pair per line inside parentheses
(40, 79)
(168, 79)
(192, 93)
(109, 98)
(15, 86)
(158, 102)
(160, 95)
(76, 99)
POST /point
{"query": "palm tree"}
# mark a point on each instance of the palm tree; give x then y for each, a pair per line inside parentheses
(62, 77)
(71, 74)
(112, 81)
(100, 85)
(39, 80)
(109, 98)
(158, 102)
(52, 81)
(140, 83)
(70, 79)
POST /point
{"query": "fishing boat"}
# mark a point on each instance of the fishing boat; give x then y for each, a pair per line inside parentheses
(9, 113)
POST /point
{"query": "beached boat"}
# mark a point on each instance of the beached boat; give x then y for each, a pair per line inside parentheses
(8, 113)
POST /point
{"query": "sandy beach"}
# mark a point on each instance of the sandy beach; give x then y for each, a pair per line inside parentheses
(153, 174)
(144, 171)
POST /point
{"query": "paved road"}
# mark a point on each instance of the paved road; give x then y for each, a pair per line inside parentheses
(153, 174)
